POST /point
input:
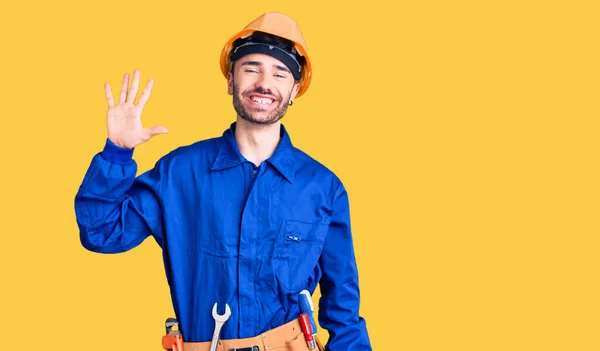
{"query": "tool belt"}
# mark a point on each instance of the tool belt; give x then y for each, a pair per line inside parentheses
(287, 337)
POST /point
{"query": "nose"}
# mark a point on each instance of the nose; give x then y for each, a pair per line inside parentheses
(263, 82)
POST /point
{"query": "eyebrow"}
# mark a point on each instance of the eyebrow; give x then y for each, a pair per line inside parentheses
(282, 68)
(257, 63)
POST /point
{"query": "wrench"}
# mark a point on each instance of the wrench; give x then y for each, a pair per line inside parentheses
(220, 319)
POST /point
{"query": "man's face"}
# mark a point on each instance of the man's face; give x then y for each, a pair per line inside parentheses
(262, 87)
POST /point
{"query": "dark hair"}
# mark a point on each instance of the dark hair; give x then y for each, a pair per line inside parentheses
(270, 39)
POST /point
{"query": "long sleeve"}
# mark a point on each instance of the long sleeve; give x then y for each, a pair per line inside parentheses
(116, 211)
(340, 295)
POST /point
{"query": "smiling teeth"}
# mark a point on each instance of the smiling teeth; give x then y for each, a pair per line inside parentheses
(262, 100)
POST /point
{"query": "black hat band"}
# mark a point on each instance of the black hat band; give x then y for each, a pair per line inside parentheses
(282, 55)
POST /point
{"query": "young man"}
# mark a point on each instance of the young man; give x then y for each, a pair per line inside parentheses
(245, 220)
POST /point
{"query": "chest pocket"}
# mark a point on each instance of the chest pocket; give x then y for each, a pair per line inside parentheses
(298, 252)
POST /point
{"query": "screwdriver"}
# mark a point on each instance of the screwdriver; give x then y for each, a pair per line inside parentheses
(306, 305)
(307, 330)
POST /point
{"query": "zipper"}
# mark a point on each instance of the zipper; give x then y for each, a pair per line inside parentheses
(293, 238)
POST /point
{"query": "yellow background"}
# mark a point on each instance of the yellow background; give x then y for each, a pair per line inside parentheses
(465, 132)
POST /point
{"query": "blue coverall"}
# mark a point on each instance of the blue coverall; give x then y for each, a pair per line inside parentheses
(231, 232)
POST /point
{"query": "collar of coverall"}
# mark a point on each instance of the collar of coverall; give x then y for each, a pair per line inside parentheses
(229, 154)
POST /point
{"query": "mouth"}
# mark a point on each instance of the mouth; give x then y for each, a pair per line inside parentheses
(261, 100)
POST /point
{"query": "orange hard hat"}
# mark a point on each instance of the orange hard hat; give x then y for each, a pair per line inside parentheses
(276, 24)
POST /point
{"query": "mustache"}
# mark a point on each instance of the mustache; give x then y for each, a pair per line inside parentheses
(261, 91)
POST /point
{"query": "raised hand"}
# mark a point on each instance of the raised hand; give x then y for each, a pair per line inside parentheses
(124, 121)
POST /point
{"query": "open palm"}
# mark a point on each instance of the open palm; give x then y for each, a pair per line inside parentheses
(124, 120)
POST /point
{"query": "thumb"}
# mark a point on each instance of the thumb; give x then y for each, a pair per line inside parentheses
(156, 130)
(148, 133)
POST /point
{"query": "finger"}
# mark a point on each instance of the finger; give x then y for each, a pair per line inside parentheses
(124, 88)
(158, 130)
(134, 87)
(146, 93)
(109, 97)
(150, 132)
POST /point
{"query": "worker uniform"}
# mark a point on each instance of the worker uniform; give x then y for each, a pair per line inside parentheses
(232, 233)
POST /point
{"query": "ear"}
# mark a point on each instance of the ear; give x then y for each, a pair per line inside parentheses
(229, 83)
(295, 89)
